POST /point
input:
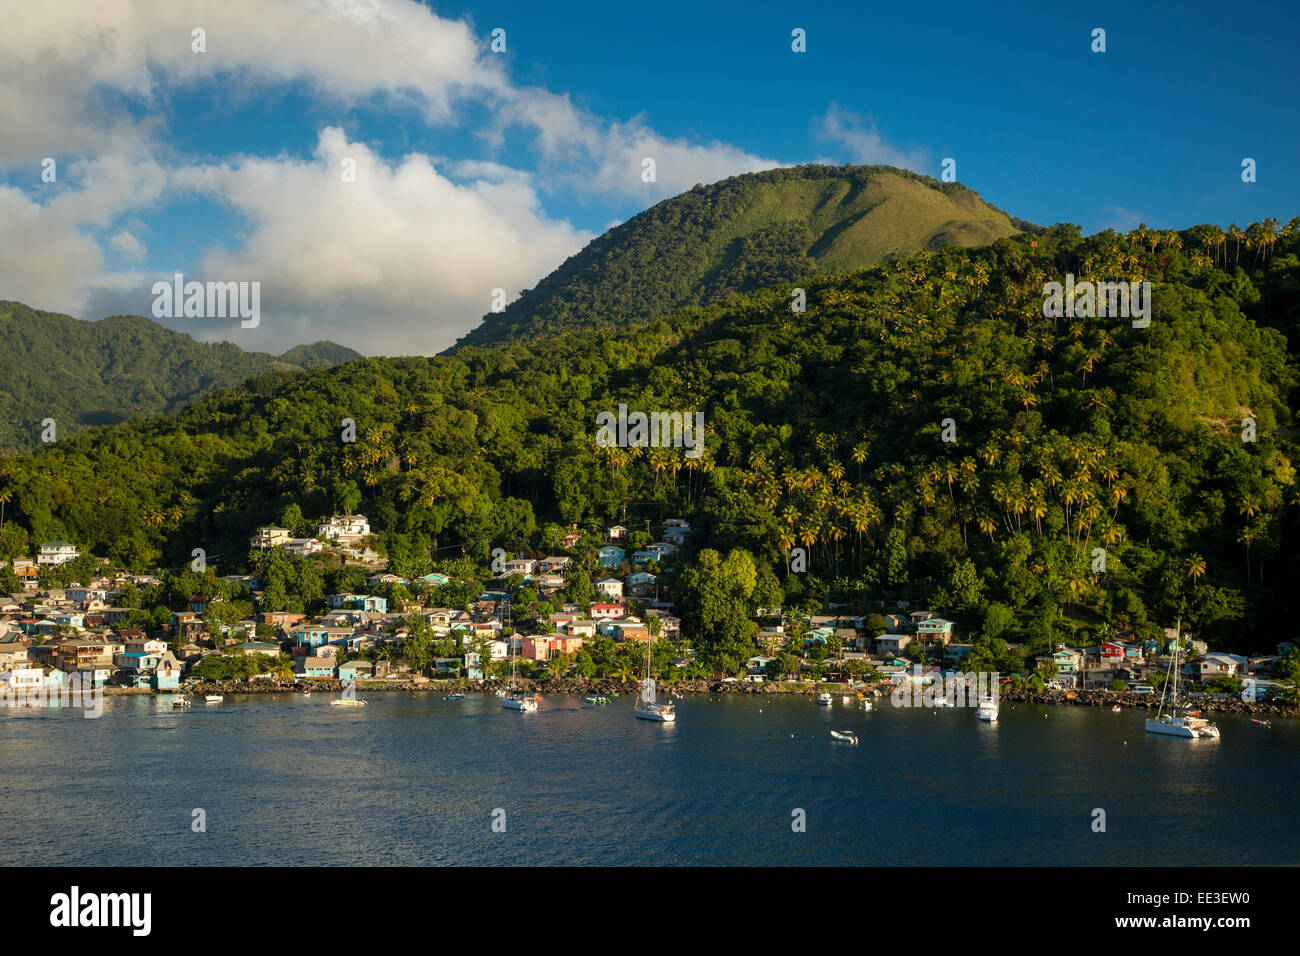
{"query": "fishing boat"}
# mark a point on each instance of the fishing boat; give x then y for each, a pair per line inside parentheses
(848, 736)
(1189, 724)
(646, 707)
(825, 699)
(213, 699)
(987, 710)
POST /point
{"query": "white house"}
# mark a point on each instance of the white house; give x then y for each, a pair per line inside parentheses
(23, 680)
(269, 537)
(303, 546)
(1218, 665)
(610, 587)
(350, 528)
(57, 552)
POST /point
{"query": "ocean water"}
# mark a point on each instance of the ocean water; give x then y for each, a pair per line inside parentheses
(417, 780)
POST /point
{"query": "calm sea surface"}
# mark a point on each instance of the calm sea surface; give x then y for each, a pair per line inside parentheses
(413, 780)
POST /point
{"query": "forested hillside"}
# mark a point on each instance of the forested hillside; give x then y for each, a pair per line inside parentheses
(746, 233)
(96, 373)
(825, 430)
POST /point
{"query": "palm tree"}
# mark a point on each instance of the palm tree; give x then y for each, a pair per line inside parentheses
(1196, 567)
(1246, 537)
(5, 497)
(1236, 235)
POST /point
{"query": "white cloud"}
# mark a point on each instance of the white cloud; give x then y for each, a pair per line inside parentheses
(127, 245)
(580, 149)
(403, 260)
(56, 58)
(48, 255)
(858, 135)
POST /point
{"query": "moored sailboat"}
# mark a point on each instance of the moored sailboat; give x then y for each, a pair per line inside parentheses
(646, 707)
(1188, 725)
(514, 698)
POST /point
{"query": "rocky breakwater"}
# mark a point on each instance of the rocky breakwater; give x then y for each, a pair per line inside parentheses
(1102, 698)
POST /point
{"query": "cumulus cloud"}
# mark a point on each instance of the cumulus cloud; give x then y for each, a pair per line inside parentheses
(56, 59)
(402, 260)
(49, 256)
(858, 136)
(127, 245)
(580, 149)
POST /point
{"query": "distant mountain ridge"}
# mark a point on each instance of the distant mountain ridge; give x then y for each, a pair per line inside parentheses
(84, 373)
(745, 233)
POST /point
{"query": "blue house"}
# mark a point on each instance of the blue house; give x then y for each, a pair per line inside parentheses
(318, 667)
(353, 670)
(473, 666)
(366, 602)
(167, 675)
(447, 665)
(611, 556)
(645, 557)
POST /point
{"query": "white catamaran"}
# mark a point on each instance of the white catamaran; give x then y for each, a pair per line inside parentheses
(1174, 724)
(646, 707)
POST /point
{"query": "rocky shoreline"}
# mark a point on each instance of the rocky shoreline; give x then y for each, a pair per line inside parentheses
(1100, 698)
(609, 686)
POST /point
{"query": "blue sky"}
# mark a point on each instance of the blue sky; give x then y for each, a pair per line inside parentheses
(479, 170)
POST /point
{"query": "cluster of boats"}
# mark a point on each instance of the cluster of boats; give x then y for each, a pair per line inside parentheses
(180, 703)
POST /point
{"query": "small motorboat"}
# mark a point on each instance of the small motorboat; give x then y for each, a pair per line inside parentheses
(347, 703)
(181, 702)
(846, 736)
(1115, 709)
(825, 699)
(1262, 723)
(455, 696)
(865, 703)
(213, 699)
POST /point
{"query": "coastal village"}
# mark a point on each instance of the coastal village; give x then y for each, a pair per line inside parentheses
(365, 636)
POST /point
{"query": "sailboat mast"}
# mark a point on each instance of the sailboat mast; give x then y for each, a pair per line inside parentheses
(1178, 646)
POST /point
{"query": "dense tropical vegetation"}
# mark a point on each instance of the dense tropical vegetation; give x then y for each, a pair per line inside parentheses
(96, 373)
(825, 431)
(743, 234)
